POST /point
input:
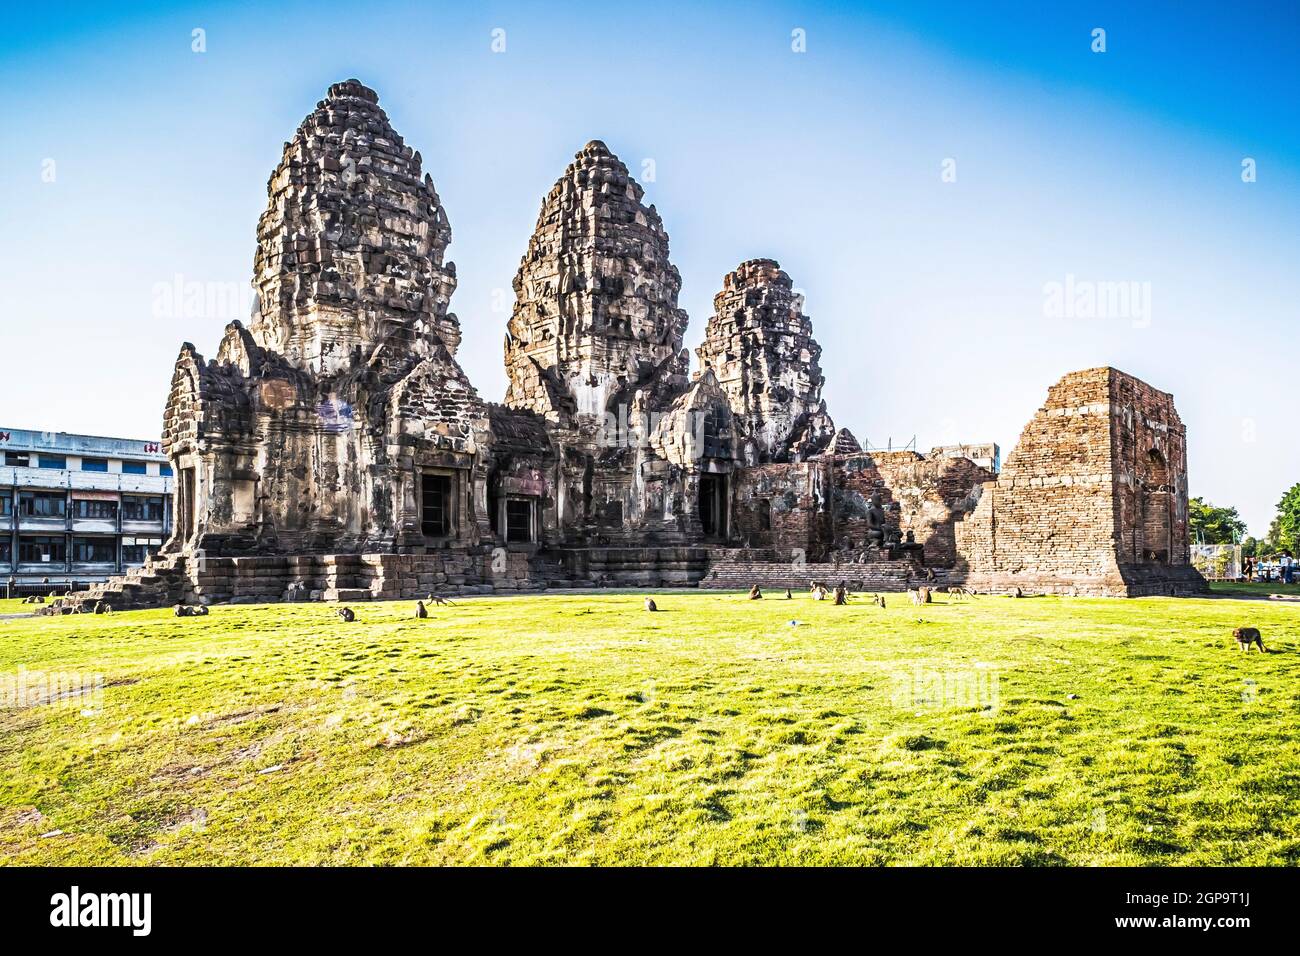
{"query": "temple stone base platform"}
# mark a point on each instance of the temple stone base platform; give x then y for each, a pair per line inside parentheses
(739, 570)
(197, 579)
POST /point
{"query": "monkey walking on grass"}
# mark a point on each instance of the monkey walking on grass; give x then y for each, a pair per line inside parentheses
(441, 601)
(1246, 636)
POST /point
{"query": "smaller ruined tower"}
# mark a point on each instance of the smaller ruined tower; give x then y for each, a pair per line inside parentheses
(760, 346)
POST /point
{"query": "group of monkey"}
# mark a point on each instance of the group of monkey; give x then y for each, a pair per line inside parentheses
(840, 595)
(1246, 637)
(348, 615)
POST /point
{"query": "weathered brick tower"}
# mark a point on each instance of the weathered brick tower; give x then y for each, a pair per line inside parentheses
(1092, 501)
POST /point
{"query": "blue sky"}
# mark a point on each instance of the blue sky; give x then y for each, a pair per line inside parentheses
(928, 296)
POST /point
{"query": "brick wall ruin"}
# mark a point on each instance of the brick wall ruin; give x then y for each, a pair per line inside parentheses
(336, 447)
(1092, 500)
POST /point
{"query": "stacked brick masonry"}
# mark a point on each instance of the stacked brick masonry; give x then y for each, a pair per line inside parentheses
(1092, 500)
(595, 313)
(819, 507)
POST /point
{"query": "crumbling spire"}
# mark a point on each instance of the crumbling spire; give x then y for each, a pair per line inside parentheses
(595, 313)
(350, 248)
(759, 344)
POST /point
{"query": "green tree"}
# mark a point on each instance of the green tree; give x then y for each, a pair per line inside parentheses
(1249, 547)
(1288, 520)
(1208, 524)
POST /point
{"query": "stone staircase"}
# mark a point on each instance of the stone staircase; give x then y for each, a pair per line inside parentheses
(160, 582)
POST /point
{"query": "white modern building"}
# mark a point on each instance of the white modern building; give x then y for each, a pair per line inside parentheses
(76, 509)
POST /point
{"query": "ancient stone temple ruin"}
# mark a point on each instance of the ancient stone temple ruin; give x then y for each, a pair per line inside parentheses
(334, 448)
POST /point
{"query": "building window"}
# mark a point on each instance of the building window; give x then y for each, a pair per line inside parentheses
(42, 550)
(94, 464)
(93, 550)
(95, 510)
(435, 505)
(165, 470)
(136, 550)
(6, 552)
(6, 505)
(42, 504)
(19, 459)
(134, 468)
(142, 509)
(53, 461)
(519, 519)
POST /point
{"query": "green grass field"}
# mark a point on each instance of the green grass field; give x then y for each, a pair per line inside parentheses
(582, 729)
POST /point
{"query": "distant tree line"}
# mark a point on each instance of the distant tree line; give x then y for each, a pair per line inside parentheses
(1211, 524)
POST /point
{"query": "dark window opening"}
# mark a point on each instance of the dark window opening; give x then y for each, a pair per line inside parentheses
(40, 504)
(6, 505)
(19, 459)
(135, 550)
(42, 550)
(435, 505)
(6, 552)
(186, 507)
(765, 515)
(94, 464)
(713, 502)
(93, 550)
(519, 519)
(101, 510)
(142, 509)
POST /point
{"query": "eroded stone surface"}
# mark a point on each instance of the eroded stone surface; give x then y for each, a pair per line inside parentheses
(595, 314)
(760, 345)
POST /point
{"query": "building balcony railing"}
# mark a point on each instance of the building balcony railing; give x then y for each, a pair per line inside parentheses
(49, 478)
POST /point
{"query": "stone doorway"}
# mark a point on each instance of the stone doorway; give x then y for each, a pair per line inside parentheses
(1155, 517)
(713, 505)
(187, 507)
(435, 505)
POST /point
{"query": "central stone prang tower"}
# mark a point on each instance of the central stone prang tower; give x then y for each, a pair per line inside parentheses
(595, 316)
(594, 347)
(760, 346)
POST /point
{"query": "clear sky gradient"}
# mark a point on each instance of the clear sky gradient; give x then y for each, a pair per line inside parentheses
(928, 296)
